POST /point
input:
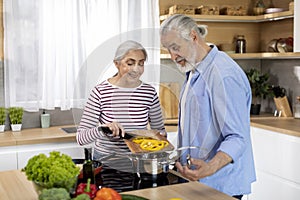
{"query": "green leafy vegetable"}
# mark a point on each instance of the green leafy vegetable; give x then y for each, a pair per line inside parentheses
(57, 170)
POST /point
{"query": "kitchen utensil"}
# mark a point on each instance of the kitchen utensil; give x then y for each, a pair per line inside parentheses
(279, 91)
(159, 162)
(283, 106)
(108, 132)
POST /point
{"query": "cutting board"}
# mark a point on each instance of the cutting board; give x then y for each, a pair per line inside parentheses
(135, 148)
(168, 97)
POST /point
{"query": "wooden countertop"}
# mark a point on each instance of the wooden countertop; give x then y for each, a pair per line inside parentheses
(190, 190)
(285, 125)
(14, 185)
(36, 136)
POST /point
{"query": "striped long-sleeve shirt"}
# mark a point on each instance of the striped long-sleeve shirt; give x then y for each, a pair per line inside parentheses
(134, 108)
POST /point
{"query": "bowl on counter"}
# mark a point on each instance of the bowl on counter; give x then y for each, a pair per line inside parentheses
(68, 185)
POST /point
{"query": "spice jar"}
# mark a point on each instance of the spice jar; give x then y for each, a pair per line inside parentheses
(297, 108)
(240, 44)
(259, 7)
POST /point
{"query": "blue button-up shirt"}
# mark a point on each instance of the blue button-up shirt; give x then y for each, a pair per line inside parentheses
(217, 118)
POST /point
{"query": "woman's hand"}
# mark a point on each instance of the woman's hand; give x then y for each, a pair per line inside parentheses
(116, 129)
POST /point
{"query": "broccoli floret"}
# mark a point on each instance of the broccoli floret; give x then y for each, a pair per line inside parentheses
(54, 194)
(82, 197)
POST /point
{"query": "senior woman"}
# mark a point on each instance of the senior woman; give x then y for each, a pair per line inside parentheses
(121, 103)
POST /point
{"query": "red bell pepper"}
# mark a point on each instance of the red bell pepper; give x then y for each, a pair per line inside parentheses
(87, 188)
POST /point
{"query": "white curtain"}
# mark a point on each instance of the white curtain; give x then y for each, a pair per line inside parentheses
(55, 51)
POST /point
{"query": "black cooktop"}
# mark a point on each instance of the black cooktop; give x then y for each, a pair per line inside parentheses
(125, 181)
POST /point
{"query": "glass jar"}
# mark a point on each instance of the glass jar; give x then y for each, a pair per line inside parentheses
(240, 44)
(259, 7)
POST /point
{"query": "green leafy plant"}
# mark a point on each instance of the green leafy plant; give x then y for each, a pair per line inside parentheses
(2, 115)
(259, 85)
(15, 115)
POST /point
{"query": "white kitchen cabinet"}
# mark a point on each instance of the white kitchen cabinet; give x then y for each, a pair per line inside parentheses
(16, 157)
(25, 152)
(277, 164)
(8, 158)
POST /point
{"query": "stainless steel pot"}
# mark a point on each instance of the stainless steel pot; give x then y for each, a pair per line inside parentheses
(152, 163)
(160, 162)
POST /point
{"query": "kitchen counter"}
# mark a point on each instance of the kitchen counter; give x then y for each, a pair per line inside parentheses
(190, 190)
(14, 185)
(36, 136)
(285, 125)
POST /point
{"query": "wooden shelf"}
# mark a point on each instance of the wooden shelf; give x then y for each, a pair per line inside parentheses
(245, 19)
(266, 55)
(227, 18)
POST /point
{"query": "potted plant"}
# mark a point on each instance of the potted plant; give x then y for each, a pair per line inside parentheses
(16, 115)
(259, 87)
(2, 118)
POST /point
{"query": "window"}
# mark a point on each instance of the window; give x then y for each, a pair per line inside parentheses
(56, 50)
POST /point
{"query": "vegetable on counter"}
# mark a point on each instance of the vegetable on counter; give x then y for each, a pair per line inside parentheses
(54, 194)
(57, 170)
(82, 197)
(87, 188)
(107, 194)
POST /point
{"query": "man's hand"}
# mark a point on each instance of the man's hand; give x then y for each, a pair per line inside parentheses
(203, 169)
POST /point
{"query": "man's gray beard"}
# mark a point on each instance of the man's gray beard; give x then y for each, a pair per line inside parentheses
(188, 67)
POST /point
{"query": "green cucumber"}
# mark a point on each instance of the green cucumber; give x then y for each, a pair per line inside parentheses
(132, 197)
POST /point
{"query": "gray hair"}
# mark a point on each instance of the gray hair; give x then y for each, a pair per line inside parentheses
(183, 25)
(127, 46)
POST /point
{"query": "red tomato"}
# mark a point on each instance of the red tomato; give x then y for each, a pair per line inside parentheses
(107, 194)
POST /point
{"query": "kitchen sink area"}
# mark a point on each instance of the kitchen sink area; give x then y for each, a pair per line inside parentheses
(71, 129)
